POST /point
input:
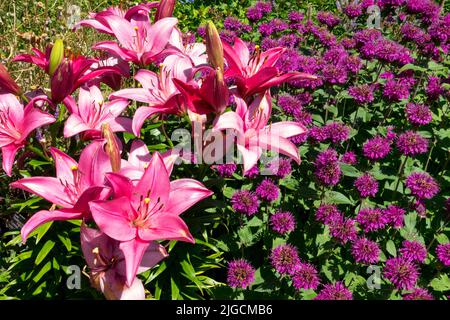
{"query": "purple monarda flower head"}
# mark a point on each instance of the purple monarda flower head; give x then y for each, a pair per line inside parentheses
(328, 171)
(367, 185)
(422, 185)
(443, 253)
(328, 19)
(280, 167)
(395, 216)
(353, 10)
(241, 274)
(317, 134)
(362, 93)
(434, 89)
(365, 251)
(305, 277)
(268, 190)
(371, 219)
(411, 143)
(349, 157)
(418, 114)
(418, 294)
(396, 90)
(244, 201)
(337, 132)
(284, 259)
(376, 148)
(295, 16)
(335, 291)
(225, 170)
(334, 74)
(401, 272)
(414, 251)
(343, 230)
(288, 103)
(327, 213)
(253, 172)
(283, 222)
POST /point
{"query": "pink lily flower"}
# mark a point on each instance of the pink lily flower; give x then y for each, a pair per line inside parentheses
(158, 91)
(75, 185)
(254, 135)
(147, 211)
(140, 42)
(139, 159)
(107, 265)
(208, 95)
(256, 73)
(71, 73)
(136, 13)
(164, 9)
(111, 79)
(92, 112)
(7, 83)
(196, 52)
(16, 123)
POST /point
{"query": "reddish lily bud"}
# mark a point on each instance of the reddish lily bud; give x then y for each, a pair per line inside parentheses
(56, 56)
(165, 9)
(7, 83)
(214, 47)
(111, 148)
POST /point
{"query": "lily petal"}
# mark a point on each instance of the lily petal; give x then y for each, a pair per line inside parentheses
(184, 193)
(133, 251)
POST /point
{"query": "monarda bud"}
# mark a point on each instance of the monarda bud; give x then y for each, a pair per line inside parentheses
(7, 83)
(111, 147)
(165, 9)
(56, 56)
(214, 47)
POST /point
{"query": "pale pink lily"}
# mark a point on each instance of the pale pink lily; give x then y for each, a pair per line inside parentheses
(139, 159)
(196, 52)
(158, 91)
(147, 211)
(106, 264)
(254, 134)
(140, 42)
(256, 73)
(16, 123)
(92, 112)
(75, 185)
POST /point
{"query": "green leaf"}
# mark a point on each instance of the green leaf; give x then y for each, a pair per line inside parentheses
(338, 198)
(413, 67)
(66, 242)
(46, 268)
(441, 284)
(390, 247)
(349, 170)
(175, 291)
(46, 248)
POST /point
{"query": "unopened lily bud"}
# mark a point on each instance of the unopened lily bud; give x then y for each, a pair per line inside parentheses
(111, 148)
(7, 83)
(165, 9)
(214, 47)
(221, 91)
(56, 56)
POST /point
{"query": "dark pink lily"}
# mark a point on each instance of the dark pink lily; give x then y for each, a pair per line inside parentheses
(147, 211)
(7, 84)
(106, 264)
(254, 134)
(158, 91)
(138, 40)
(16, 123)
(256, 73)
(92, 112)
(71, 73)
(208, 95)
(75, 185)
